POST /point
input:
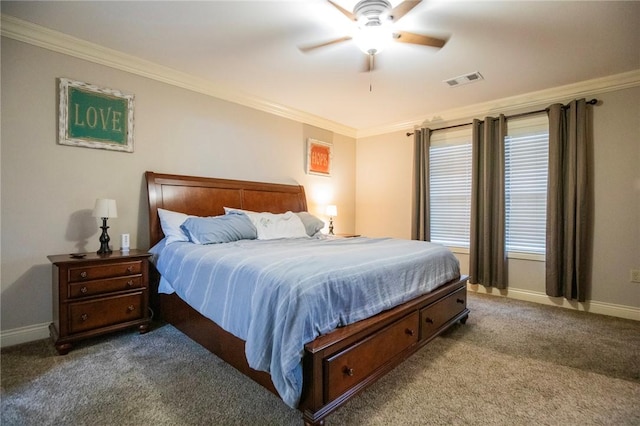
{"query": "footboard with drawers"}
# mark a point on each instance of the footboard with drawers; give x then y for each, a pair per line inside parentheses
(342, 363)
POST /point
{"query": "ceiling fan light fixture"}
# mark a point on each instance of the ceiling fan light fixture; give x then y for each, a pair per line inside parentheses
(372, 10)
(372, 39)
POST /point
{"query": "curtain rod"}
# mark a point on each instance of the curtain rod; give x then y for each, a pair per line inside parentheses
(522, 114)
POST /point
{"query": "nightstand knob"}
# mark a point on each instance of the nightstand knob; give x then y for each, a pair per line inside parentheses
(428, 320)
(83, 290)
(83, 274)
(131, 308)
(409, 331)
(461, 301)
(130, 283)
(348, 371)
(130, 269)
(84, 317)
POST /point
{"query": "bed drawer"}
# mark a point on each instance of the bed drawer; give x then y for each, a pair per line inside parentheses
(104, 312)
(94, 272)
(349, 367)
(436, 315)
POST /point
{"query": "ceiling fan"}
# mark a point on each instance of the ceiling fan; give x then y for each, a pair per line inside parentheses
(375, 19)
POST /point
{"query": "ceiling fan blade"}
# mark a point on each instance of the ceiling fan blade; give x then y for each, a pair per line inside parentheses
(402, 9)
(311, 47)
(345, 12)
(406, 37)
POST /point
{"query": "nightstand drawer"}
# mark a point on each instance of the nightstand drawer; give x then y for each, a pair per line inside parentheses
(110, 285)
(103, 312)
(87, 273)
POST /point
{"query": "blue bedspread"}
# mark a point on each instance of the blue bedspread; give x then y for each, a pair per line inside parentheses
(278, 295)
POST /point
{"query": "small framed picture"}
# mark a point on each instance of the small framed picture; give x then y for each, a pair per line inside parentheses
(94, 117)
(319, 157)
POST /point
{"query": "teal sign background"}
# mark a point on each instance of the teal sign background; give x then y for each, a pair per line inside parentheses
(96, 116)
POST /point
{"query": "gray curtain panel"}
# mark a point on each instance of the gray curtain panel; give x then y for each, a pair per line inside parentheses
(569, 202)
(487, 254)
(420, 226)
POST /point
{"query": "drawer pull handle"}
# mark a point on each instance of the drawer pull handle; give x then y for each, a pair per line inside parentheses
(83, 290)
(428, 320)
(129, 269)
(409, 331)
(461, 301)
(131, 308)
(84, 317)
(83, 274)
(348, 371)
(130, 283)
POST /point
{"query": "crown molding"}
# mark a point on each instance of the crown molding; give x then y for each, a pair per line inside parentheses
(56, 41)
(588, 88)
(37, 35)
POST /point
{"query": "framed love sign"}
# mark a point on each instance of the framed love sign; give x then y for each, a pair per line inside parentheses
(319, 157)
(94, 117)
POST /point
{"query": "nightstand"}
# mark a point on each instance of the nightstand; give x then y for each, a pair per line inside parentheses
(96, 294)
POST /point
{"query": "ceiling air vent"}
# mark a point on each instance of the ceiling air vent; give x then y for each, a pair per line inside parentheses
(464, 79)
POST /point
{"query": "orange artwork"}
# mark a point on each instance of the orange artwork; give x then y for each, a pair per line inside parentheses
(319, 157)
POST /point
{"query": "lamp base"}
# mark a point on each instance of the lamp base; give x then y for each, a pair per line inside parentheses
(104, 239)
(331, 226)
(104, 249)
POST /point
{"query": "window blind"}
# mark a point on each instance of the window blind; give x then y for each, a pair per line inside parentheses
(526, 169)
(450, 188)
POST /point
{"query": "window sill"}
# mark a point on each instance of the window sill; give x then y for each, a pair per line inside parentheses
(526, 256)
(510, 255)
(458, 250)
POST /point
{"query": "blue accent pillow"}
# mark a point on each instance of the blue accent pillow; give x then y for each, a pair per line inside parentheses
(312, 224)
(219, 229)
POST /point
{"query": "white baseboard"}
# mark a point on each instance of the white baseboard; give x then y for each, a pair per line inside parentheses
(620, 311)
(24, 334)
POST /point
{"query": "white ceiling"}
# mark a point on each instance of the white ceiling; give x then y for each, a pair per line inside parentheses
(251, 48)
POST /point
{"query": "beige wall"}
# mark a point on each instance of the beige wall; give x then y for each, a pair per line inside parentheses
(383, 176)
(384, 167)
(48, 190)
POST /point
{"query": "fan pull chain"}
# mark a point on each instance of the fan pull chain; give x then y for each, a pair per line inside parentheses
(370, 69)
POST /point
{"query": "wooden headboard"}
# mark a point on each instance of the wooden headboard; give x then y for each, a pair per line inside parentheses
(201, 196)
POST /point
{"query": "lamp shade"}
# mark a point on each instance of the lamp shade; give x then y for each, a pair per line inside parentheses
(332, 210)
(105, 208)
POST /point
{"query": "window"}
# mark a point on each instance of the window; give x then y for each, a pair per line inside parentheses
(526, 170)
(526, 165)
(450, 187)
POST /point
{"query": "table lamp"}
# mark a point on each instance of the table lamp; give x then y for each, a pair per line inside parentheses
(105, 209)
(331, 211)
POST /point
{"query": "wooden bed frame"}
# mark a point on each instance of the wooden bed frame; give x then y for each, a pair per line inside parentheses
(336, 366)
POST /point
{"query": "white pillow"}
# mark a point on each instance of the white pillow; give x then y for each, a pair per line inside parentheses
(272, 226)
(170, 222)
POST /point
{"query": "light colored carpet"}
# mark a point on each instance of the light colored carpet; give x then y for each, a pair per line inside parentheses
(513, 363)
